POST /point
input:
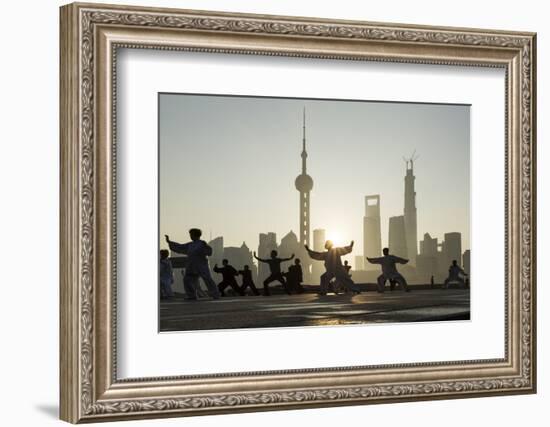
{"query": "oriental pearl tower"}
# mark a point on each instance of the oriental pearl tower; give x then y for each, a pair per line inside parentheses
(304, 184)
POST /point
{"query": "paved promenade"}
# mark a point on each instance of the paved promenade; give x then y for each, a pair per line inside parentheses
(310, 309)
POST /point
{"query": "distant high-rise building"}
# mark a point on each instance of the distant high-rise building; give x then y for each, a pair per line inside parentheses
(304, 184)
(427, 260)
(359, 263)
(428, 246)
(410, 212)
(289, 245)
(397, 239)
(426, 267)
(466, 261)
(268, 242)
(317, 267)
(248, 259)
(238, 257)
(319, 239)
(452, 248)
(372, 234)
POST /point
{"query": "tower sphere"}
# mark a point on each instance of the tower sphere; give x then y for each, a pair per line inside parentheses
(304, 183)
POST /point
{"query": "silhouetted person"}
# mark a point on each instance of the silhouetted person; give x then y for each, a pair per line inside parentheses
(337, 286)
(228, 273)
(295, 277)
(275, 271)
(347, 267)
(456, 274)
(246, 272)
(197, 264)
(166, 275)
(392, 284)
(389, 270)
(333, 265)
(432, 282)
(196, 283)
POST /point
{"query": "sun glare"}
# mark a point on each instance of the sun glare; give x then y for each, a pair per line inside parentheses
(336, 237)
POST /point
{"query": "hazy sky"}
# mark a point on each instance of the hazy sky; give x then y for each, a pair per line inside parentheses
(228, 165)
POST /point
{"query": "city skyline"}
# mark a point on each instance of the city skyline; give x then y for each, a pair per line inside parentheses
(181, 135)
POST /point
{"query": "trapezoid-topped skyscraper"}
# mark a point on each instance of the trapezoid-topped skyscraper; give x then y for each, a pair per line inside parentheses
(372, 234)
(410, 212)
(304, 184)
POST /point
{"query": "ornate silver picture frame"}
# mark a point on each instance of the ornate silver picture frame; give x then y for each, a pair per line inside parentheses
(91, 37)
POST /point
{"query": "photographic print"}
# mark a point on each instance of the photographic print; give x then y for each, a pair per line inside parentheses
(280, 212)
(195, 199)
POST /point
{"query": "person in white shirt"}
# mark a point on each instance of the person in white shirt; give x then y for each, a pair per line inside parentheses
(197, 251)
(389, 270)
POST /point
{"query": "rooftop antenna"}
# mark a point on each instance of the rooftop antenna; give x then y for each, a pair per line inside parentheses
(304, 152)
(411, 159)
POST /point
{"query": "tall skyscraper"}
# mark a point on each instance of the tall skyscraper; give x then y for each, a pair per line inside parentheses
(466, 261)
(428, 246)
(317, 267)
(304, 184)
(319, 239)
(359, 263)
(372, 234)
(427, 260)
(397, 240)
(410, 212)
(452, 248)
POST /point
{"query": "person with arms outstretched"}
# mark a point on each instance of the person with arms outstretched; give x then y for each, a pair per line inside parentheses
(333, 265)
(389, 270)
(456, 274)
(197, 251)
(275, 271)
(246, 272)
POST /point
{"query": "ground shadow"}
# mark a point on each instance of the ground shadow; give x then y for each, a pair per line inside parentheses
(49, 409)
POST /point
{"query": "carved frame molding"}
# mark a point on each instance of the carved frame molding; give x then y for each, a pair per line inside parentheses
(90, 37)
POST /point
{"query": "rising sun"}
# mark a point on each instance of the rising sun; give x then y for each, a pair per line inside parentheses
(336, 237)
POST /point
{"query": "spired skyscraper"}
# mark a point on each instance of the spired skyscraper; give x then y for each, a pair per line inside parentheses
(304, 184)
(411, 236)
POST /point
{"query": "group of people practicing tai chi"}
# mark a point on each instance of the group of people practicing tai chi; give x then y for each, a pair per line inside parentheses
(340, 273)
(336, 274)
(198, 250)
(290, 280)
